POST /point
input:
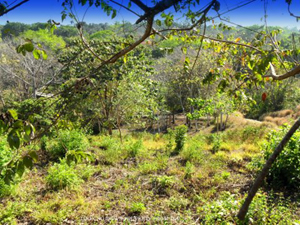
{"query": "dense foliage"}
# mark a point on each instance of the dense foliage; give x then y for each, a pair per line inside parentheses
(286, 170)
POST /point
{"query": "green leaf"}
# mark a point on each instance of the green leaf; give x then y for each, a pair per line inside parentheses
(13, 114)
(53, 27)
(3, 127)
(28, 130)
(36, 54)
(8, 177)
(63, 16)
(13, 139)
(34, 156)
(19, 49)
(28, 47)
(18, 124)
(114, 14)
(28, 162)
(44, 55)
(20, 168)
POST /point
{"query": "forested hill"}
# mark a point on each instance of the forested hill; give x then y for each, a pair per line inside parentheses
(288, 36)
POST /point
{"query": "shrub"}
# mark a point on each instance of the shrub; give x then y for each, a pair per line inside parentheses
(178, 203)
(251, 133)
(5, 189)
(285, 171)
(134, 148)
(192, 153)
(189, 170)
(148, 167)
(85, 171)
(136, 208)
(110, 150)
(216, 142)
(5, 152)
(10, 211)
(180, 138)
(263, 210)
(66, 140)
(5, 156)
(40, 113)
(170, 138)
(61, 175)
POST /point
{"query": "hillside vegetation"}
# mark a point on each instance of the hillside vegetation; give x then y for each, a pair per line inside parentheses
(141, 180)
(173, 132)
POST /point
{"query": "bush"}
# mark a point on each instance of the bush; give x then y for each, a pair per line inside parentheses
(61, 175)
(5, 152)
(216, 141)
(285, 171)
(110, 150)
(180, 138)
(85, 171)
(252, 133)
(136, 208)
(5, 189)
(134, 148)
(66, 140)
(263, 210)
(189, 170)
(193, 153)
(40, 113)
(178, 203)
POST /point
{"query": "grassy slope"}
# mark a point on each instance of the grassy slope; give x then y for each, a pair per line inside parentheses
(139, 180)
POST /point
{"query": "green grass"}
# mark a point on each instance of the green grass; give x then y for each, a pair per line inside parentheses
(141, 178)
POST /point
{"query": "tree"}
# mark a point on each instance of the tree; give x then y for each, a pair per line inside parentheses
(13, 29)
(25, 73)
(46, 38)
(121, 93)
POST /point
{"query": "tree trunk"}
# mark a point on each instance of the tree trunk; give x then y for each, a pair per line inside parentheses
(34, 87)
(208, 121)
(221, 122)
(260, 178)
(225, 125)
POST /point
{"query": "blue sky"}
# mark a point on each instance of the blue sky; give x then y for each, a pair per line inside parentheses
(43, 10)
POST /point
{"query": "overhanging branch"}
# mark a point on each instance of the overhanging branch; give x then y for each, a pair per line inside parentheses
(14, 7)
(291, 73)
(231, 42)
(141, 5)
(132, 46)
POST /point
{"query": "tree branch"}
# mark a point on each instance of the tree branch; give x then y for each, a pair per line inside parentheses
(200, 21)
(14, 7)
(232, 42)
(292, 14)
(117, 3)
(291, 73)
(132, 46)
(159, 7)
(86, 44)
(141, 5)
